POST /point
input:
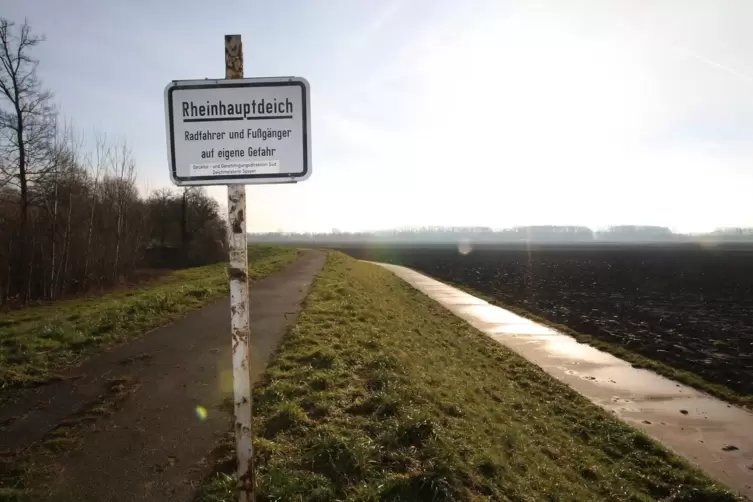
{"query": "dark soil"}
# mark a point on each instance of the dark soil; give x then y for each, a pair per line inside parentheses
(690, 307)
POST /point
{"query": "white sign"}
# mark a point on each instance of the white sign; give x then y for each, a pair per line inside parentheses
(244, 131)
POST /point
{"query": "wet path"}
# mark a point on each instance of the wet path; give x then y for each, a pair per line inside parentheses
(710, 433)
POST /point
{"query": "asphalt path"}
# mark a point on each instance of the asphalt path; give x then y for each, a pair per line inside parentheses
(157, 446)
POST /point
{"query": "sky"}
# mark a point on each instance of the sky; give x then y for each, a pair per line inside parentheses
(438, 112)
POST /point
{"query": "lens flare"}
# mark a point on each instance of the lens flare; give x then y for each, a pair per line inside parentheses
(201, 413)
(464, 246)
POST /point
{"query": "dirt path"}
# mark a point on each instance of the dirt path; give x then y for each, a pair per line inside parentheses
(156, 446)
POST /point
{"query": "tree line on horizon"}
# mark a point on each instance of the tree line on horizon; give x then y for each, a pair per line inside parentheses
(71, 216)
(534, 233)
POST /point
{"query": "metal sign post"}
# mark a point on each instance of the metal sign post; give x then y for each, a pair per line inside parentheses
(239, 306)
(238, 131)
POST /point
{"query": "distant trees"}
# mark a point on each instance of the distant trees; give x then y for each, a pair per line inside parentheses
(439, 235)
(538, 234)
(185, 229)
(550, 233)
(71, 216)
(732, 234)
(637, 233)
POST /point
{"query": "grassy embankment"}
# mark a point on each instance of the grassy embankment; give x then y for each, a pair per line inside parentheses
(36, 343)
(379, 393)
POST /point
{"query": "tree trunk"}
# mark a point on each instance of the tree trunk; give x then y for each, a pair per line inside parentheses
(89, 237)
(23, 272)
(137, 241)
(53, 236)
(63, 269)
(6, 286)
(30, 266)
(117, 247)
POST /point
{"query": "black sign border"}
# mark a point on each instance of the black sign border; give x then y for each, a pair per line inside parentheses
(279, 177)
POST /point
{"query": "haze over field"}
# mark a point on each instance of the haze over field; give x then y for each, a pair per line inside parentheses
(485, 113)
(468, 237)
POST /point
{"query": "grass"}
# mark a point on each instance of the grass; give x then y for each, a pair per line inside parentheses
(380, 394)
(36, 343)
(635, 359)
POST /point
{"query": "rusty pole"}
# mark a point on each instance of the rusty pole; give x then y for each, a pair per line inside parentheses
(239, 306)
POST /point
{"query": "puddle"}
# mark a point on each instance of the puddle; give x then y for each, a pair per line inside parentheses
(527, 328)
(564, 346)
(489, 314)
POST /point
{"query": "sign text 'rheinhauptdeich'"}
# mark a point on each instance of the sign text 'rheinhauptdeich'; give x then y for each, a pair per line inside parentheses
(243, 131)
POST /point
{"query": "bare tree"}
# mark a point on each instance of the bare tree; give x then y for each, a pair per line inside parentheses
(123, 179)
(96, 163)
(27, 126)
(160, 203)
(67, 172)
(27, 123)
